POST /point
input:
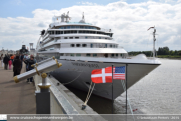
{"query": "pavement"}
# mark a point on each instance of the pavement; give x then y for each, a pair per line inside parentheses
(16, 98)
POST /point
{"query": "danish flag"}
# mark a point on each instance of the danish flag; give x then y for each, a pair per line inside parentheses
(104, 75)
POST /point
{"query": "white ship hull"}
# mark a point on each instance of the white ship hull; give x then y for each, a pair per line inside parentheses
(81, 71)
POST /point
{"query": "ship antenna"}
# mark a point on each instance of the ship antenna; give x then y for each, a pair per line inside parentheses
(154, 39)
(83, 16)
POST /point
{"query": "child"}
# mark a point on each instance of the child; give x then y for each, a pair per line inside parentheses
(10, 63)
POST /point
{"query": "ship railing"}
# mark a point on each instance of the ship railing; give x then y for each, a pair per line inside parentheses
(87, 58)
(106, 30)
(70, 23)
(151, 58)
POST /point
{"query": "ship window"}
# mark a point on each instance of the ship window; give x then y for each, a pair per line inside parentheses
(78, 54)
(113, 46)
(72, 45)
(65, 27)
(121, 55)
(94, 55)
(105, 45)
(116, 55)
(76, 37)
(77, 26)
(75, 31)
(72, 26)
(70, 37)
(57, 32)
(61, 32)
(84, 45)
(91, 45)
(72, 54)
(110, 46)
(99, 37)
(85, 27)
(112, 55)
(68, 27)
(81, 27)
(65, 37)
(77, 45)
(80, 31)
(86, 37)
(61, 54)
(88, 55)
(61, 27)
(52, 32)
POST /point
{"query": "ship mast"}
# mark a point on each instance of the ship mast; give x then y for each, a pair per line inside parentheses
(154, 39)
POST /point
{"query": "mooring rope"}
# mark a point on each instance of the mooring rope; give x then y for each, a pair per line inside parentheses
(88, 95)
(72, 80)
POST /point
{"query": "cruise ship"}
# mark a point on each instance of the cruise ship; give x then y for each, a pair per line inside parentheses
(82, 47)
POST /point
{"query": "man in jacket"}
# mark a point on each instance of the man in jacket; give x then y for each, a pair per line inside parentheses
(5, 61)
(30, 62)
(16, 66)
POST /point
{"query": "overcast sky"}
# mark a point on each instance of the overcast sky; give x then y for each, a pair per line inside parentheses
(22, 20)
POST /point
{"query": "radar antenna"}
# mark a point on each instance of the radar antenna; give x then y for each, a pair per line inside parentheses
(67, 17)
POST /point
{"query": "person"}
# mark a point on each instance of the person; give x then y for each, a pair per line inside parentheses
(5, 61)
(17, 66)
(12, 58)
(30, 62)
(1, 58)
(10, 63)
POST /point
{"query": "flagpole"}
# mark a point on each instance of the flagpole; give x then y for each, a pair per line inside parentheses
(126, 88)
(112, 91)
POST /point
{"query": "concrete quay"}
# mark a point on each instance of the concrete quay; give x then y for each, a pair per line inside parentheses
(20, 98)
(16, 98)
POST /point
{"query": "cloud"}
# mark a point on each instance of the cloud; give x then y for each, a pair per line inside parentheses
(129, 22)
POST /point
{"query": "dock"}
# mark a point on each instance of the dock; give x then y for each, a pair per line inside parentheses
(20, 98)
(16, 98)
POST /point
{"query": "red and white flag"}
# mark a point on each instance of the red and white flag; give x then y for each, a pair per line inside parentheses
(103, 75)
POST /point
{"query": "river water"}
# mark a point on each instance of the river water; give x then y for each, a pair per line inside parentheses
(157, 93)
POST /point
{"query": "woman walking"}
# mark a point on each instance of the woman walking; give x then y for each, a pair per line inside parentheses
(1, 58)
(10, 63)
(16, 66)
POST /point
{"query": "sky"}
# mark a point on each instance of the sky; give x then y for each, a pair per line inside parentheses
(22, 20)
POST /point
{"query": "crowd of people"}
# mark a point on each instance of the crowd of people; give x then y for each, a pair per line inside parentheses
(17, 62)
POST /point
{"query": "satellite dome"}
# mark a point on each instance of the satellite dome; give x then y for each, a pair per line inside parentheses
(140, 56)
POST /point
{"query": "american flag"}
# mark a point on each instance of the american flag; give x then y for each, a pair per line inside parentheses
(119, 73)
